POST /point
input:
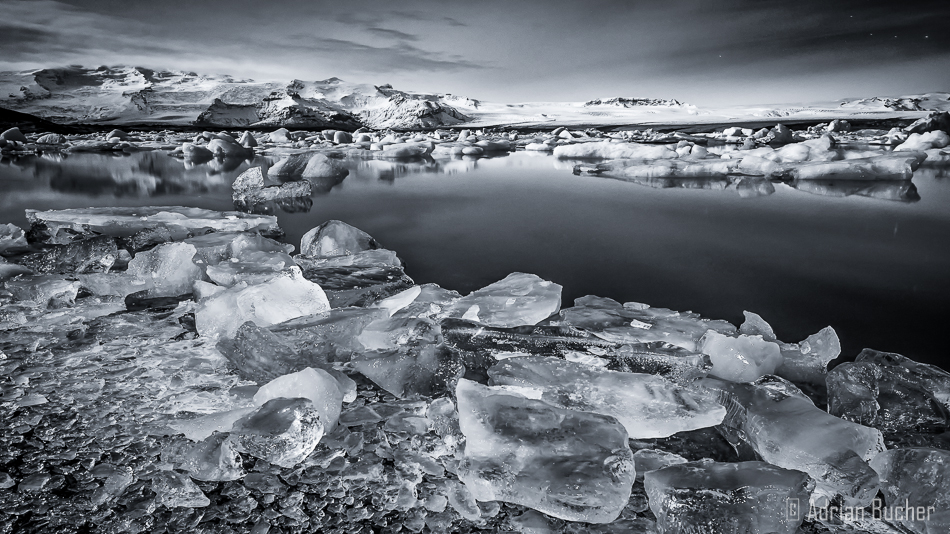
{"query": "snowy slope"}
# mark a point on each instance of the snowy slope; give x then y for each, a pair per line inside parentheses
(135, 95)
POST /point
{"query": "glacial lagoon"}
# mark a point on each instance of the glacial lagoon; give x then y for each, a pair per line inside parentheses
(871, 260)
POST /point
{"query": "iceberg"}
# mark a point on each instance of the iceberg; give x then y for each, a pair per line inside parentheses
(568, 464)
(609, 150)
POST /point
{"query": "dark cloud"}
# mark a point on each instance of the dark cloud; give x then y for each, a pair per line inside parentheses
(395, 34)
(17, 36)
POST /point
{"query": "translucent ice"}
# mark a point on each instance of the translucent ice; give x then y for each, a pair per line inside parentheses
(175, 490)
(518, 299)
(890, 392)
(335, 238)
(166, 270)
(12, 238)
(740, 359)
(874, 168)
(93, 255)
(639, 323)
(284, 297)
(126, 221)
(411, 370)
(212, 459)
(315, 384)
(714, 498)
(44, 290)
(283, 431)
(568, 464)
(771, 418)
(807, 361)
(647, 406)
(916, 487)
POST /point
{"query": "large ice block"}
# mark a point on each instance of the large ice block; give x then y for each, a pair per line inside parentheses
(715, 498)
(568, 464)
(890, 392)
(916, 487)
(607, 150)
(639, 323)
(647, 406)
(125, 221)
(786, 429)
(412, 370)
(518, 299)
(286, 296)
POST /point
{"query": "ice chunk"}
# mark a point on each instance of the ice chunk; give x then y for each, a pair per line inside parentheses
(518, 299)
(755, 325)
(647, 460)
(916, 487)
(12, 238)
(125, 221)
(608, 150)
(568, 464)
(662, 359)
(175, 490)
(335, 238)
(412, 370)
(44, 290)
(639, 323)
(835, 452)
(212, 459)
(713, 498)
(166, 270)
(399, 301)
(329, 336)
(286, 296)
(283, 431)
(93, 255)
(890, 392)
(647, 406)
(917, 142)
(431, 302)
(314, 384)
(741, 359)
(807, 362)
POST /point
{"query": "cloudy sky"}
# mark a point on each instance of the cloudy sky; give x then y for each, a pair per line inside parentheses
(701, 52)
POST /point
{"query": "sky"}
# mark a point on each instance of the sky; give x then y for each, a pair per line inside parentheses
(727, 52)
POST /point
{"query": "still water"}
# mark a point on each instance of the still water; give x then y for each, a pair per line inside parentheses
(877, 269)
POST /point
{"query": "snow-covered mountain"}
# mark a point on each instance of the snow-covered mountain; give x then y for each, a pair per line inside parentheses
(130, 95)
(135, 95)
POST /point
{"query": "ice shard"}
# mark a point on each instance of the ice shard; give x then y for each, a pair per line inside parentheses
(336, 238)
(770, 416)
(639, 323)
(742, 358)
(315, 384)
(93, 255)
(568, 464)
(916, 487)
(518, 299)
(714, 498)
(890, 392)
(647, 406)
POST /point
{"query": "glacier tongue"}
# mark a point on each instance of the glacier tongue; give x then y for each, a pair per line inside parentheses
(568, 464)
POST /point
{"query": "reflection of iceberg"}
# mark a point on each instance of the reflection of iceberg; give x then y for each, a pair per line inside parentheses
(902, 191)
(388, 170)
(131, 175)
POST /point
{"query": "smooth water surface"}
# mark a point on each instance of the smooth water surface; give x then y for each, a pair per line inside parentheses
(876, 269)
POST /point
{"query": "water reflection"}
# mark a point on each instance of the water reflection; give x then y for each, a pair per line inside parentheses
(900, 191)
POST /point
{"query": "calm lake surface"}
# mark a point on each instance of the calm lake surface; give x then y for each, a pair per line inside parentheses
(876, 269)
